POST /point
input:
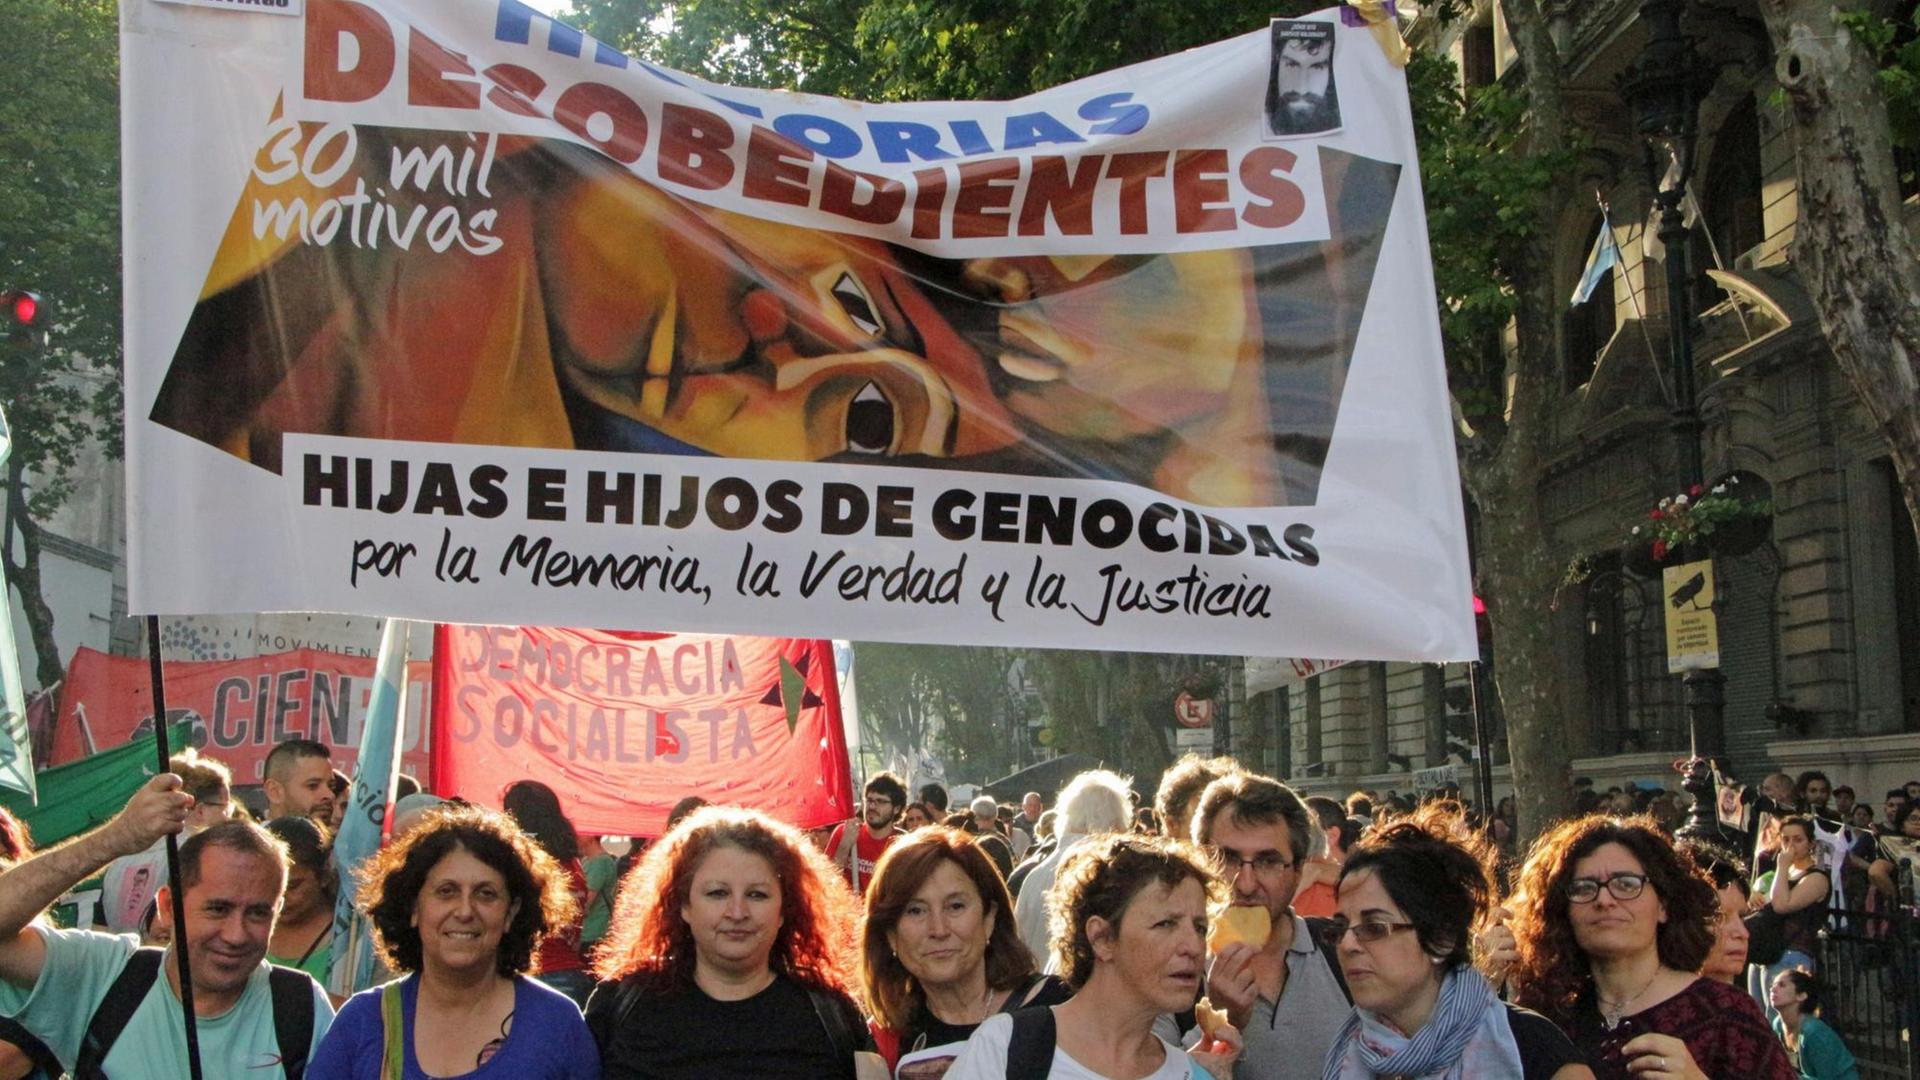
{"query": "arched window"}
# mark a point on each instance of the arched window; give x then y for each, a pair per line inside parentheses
(1729, 194)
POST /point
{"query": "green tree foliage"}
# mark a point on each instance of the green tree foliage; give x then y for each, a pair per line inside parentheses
(806, 45)
(1895, 43)
(1480, 177)
(59, 236)
(60, 227)
(956, 701)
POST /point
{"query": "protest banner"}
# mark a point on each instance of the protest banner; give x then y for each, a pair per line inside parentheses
(624, 725)
(239, 709)
(440, 309)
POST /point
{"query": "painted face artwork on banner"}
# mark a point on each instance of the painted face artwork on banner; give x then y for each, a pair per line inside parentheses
(457, 314)
(627, 725)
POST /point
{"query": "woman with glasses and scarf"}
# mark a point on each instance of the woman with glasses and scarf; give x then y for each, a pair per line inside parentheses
(1408, 897)
(1611, 927)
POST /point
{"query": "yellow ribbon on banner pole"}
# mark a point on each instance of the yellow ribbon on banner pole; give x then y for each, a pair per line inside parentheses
(1378, 16)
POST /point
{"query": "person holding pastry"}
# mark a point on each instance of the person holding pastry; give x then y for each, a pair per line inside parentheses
(1270, 974)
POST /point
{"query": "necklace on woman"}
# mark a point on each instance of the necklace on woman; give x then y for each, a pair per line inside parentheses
(493, 1045)
(1612, 1012)
(986, 1004)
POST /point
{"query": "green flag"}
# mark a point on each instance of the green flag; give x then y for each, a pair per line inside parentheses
(16, 753)
(88, 792)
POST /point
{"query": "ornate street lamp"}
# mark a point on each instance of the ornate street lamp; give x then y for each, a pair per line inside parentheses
(1663, 88)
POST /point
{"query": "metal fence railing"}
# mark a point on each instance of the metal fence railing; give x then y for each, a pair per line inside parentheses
(1870, 963)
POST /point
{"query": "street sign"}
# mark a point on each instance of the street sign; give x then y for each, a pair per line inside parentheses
(1693, 636)
(1193, 712)
(1199, 739)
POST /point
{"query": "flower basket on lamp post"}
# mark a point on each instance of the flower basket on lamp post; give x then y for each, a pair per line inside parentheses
(1720, 520)
(1740, 535)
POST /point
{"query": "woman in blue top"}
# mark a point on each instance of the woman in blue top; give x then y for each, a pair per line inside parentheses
(460, 904)
(1814, 1048)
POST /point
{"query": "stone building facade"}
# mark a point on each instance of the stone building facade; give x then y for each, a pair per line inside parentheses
(1820, 625)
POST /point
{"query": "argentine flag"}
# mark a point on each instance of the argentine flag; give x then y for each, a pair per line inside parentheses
(353, 967)
(1604, 257)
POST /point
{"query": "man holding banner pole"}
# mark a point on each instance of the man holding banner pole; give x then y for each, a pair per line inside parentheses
(106, 1007)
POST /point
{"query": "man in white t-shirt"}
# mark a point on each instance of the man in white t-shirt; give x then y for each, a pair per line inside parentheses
(234, 875)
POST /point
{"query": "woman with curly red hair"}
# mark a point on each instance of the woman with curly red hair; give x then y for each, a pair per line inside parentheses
(731, 954)
(1611, 927)
(459, 906)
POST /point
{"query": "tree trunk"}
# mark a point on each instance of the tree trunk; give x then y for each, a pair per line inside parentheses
(1852, 249)
(1517, 567)
(25, 578)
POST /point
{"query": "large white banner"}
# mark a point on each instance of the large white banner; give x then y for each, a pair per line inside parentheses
(439, 309)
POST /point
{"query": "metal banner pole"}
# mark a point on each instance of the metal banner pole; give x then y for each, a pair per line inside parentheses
(173, 854)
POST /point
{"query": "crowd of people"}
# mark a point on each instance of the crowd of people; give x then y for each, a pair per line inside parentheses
(1228, 929)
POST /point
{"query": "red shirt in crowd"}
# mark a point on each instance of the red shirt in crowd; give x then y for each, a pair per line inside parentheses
(858, 867)
(561, 950)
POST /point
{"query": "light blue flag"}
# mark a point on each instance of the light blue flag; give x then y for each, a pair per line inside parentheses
(1604, 257)
(370, 804)
(16, 747)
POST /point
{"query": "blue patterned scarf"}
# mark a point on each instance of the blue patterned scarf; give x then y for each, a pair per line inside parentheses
(1467, 1035)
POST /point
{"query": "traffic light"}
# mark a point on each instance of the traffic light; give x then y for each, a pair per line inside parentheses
(26, 315)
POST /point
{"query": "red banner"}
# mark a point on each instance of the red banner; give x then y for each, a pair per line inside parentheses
(240, 708)
(624, 725)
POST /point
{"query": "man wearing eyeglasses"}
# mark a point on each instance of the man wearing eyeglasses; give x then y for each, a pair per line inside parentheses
(855, 850)
(1286, 997)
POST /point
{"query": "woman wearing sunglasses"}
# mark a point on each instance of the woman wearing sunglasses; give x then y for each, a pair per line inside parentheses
(1611, 927)
(1408, 897)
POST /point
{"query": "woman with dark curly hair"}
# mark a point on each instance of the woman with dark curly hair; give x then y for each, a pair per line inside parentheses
(1127, 921)
(730, 955)
(941, 952)
(1408, 897)
(460, 904)
(1611, 926)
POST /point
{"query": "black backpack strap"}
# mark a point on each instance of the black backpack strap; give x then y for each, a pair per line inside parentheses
(292, 1017)
(834, 1019)
(110, 1017)
(29, 1044)
(1030, 1051)
(1329, 952)
(609, 1007)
